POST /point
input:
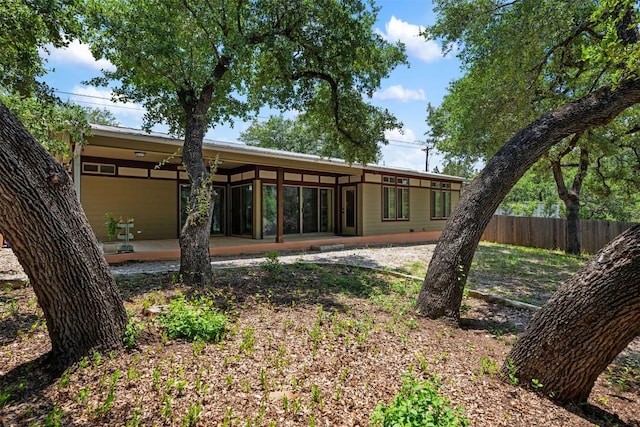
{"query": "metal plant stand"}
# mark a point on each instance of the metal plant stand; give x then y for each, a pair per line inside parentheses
(126, 234)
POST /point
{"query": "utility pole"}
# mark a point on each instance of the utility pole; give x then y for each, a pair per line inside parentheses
(427, 148)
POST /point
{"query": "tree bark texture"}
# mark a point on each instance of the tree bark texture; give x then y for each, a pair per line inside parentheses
(585, 325)
(572, 233)
(195, 261)
(51, 237)
(571, 198)
(441, 293)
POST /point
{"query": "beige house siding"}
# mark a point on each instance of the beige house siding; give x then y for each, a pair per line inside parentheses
(152, 203)
(419, 212)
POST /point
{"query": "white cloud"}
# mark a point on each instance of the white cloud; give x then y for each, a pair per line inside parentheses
(127, 113)
(403, 157)
(409, 34)
(77, 54)
(400, 135)
(398, 93)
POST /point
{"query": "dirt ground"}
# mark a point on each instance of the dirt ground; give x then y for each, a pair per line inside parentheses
(296, 354)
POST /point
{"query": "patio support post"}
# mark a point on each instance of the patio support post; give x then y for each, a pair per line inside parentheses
(280, 202)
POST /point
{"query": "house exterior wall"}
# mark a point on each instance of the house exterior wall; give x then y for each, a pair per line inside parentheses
(152, 203)
(145, 174)
(370, 204)
(419, 212)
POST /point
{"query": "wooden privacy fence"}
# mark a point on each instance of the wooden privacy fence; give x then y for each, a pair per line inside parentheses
(549, 233)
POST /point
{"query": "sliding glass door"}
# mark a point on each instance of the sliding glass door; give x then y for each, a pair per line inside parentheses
(242, 210)
(305, 210)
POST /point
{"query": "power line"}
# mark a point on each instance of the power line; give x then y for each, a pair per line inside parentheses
(114, 104)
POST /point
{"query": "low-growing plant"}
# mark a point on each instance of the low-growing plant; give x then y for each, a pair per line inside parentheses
(248, 343)
(419, 404)
(194, 320)
(54, 418)
(192, 416)
(111, 394)
(272, 263)
(5, 397)
(83, 395)
(316, 395)
(488, 367)
(511, 372)
(132, 332)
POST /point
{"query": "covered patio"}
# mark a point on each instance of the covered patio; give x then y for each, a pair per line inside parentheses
(169, 249)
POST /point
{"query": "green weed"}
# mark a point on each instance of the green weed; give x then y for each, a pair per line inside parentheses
(132, 332)
(194, 320)
(419, 404)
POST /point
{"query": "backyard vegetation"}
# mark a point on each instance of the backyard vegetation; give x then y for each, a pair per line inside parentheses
(304, 344)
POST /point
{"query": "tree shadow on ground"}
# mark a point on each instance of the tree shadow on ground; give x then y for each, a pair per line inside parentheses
(497, 319)
(10, 327)
(283, 285)
(22, 389)
(597, 415)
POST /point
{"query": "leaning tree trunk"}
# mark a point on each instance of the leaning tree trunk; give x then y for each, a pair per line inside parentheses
(195, 262)
(52, 239)
(441, 293)
(587, 322)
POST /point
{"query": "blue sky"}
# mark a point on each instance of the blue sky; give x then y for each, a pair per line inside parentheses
(405, 93)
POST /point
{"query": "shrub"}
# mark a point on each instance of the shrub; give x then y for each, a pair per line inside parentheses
(194, 320)
(418, 404)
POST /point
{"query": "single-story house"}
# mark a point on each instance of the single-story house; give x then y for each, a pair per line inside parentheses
(259, 193)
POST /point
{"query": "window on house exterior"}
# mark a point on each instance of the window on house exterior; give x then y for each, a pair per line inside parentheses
(440, 200)
(99, 168)
(395, 198)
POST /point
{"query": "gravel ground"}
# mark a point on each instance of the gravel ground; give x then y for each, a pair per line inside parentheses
(379, 257)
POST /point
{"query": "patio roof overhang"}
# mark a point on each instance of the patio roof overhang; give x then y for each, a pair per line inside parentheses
(123, 144)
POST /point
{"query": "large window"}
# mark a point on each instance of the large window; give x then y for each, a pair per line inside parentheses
(306, 209)
(440, 200)
(395, 198)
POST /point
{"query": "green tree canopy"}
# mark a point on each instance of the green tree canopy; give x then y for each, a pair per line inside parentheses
(319, 57)
(100, 116)
(523, 58)
(283, 134)
(573, 66)
(25, 28)
(519, 63)
(290, 135)
(195, 64)
(50, 123)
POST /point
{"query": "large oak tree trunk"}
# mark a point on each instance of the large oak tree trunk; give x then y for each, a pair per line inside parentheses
(52, 239)
(572, 234)
(587, 322)
(195, 261)
(571, 197)
(441, 293)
